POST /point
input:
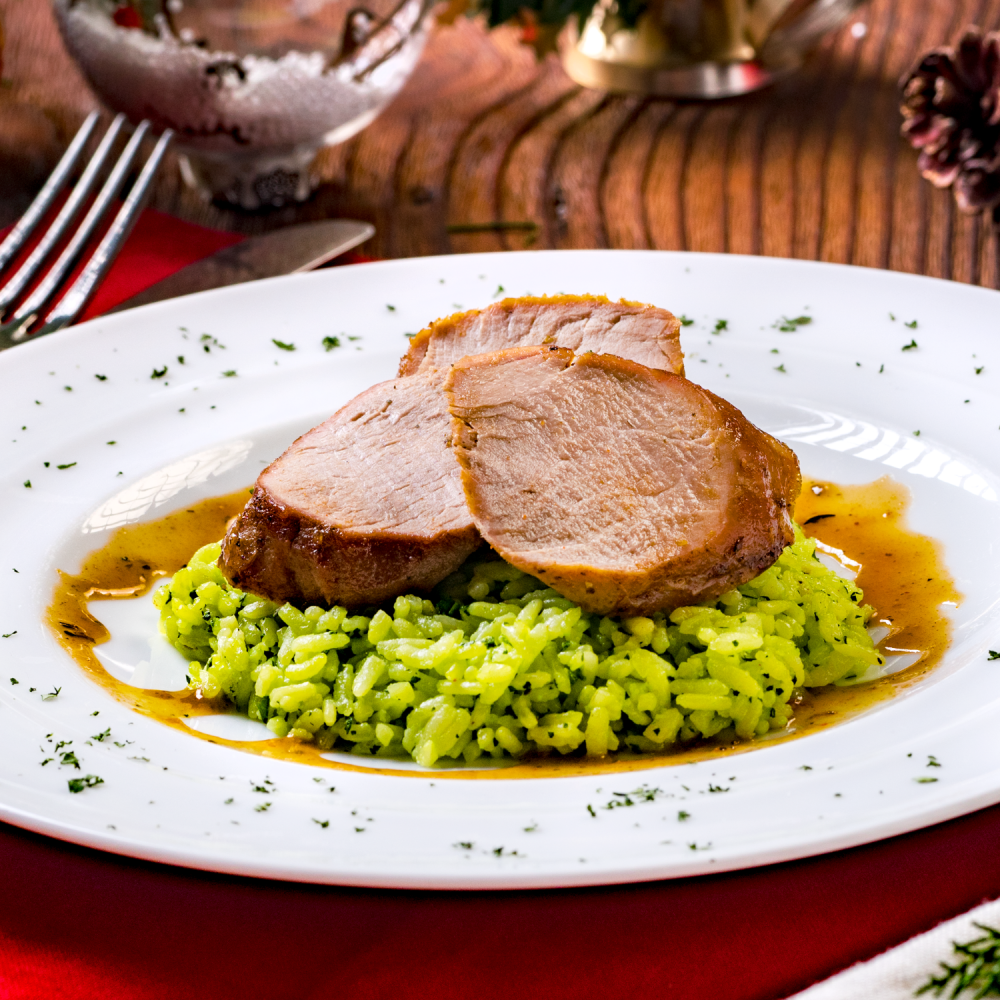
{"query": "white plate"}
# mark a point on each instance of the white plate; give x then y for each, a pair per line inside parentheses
(848, 400)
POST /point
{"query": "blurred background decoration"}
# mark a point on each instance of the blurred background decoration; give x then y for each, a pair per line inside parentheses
(253, 88)
(488, 147)
(951, 114)
(675, 48)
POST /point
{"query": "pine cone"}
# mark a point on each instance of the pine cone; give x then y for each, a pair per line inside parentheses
(951, 112)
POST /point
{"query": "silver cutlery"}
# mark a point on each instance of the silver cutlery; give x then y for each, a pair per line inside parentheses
(20, 325)
(290, 250)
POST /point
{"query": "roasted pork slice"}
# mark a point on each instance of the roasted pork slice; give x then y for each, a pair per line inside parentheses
(627, 490)
(370, 504)
(582, 323)
(364, 507)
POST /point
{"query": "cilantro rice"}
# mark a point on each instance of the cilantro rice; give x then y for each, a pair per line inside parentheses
(497, 665)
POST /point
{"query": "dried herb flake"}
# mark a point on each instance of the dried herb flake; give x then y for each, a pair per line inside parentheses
(79, 784)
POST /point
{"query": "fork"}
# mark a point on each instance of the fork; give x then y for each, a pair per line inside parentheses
(18, 327)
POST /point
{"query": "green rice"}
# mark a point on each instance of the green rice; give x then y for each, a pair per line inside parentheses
(497, 665)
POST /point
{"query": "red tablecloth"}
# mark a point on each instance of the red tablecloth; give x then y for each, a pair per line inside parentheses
(75, 923)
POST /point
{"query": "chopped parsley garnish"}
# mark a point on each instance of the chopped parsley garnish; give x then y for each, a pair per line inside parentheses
(68, 759)
(324, 823)
(231, 373)
(66, 465)
(979, 370)
(925, 781)
(159, 372)
(685, 321)
(781, 368)
(79, 784)
(500, 291)
(101, 378)
(329, 343)
(391, 309)
(101, 737)
(994, 655)
(14, 680)
(720, 325)
(54, 693)
(641, 794)
(786, 325)
(7, 635)
(282, 345)
(683, 815)
(912, 324)
(263, 807)
(27, 484)
(911, 346)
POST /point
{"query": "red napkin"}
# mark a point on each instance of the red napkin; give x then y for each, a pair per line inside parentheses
(158, 246)
(78, 924)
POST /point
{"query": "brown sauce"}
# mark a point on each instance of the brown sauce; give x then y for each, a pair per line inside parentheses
(902, 574)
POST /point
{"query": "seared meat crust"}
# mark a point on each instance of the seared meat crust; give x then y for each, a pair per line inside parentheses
(627, 490)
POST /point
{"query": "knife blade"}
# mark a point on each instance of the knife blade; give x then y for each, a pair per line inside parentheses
(285, 251)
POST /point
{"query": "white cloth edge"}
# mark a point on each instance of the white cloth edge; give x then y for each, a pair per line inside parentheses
(898, 973)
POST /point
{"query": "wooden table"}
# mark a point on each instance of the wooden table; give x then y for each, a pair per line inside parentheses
(811, 168)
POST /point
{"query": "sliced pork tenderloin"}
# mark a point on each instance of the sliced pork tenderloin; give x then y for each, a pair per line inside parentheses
(362, 508)
(369, 504)
(627, 490)
(642, 333)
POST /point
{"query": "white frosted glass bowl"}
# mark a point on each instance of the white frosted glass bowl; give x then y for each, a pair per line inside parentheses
(253, 88)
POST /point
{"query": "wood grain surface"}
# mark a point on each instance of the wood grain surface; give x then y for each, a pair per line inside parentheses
(483, 133)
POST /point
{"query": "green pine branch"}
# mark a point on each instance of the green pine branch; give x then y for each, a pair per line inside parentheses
(978, 969)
